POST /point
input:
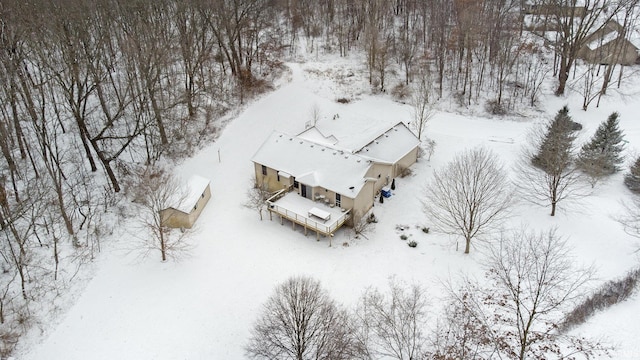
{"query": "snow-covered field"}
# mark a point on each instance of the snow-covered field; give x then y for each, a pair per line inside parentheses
(203, 307)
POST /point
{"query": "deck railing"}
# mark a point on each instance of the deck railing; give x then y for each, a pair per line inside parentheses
(278, 194)
(306, 221)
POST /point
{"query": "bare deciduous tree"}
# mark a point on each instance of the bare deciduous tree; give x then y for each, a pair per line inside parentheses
(300, 321)
(157, 191)
(257, 196)
(630, 219)
(470, 196)
(392, 325)
(532, 281)
(462, 332)
(422, 102)
(314, 114)
(574, 25)
(363, 225)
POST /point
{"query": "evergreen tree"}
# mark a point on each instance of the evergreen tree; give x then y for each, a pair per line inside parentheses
(555, 150)
(557, 178)
(603, 154)
(632, 179)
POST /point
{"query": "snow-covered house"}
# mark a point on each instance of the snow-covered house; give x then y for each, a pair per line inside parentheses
(608, 46)
(187, 208)
(324, 181)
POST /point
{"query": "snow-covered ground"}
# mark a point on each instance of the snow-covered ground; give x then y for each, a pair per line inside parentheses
(203, 307)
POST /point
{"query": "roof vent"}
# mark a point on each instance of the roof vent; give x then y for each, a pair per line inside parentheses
(280, 135)
(323, 149)
(311, 145)
(386, 135)
(351, 187)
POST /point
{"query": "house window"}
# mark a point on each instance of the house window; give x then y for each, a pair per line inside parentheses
(195, 207)
(278, 177)
(202, 196)
(264, 170)
(296, 184)
(338, 200)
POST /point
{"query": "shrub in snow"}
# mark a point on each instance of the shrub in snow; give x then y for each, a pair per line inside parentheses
(400, 92)
(405, 172)
(611, 293)
(372, 218)
(403, 237)
(412, 244)
(493, 107)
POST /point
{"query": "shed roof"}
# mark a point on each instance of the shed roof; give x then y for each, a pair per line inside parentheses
(195, 188)
(314, 164)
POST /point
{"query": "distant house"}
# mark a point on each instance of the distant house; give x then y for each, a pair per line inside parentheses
(609, 46)
(324, 181)
(555, 10)
(186, 210)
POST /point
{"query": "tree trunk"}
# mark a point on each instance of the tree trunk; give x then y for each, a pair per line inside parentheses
(163, 245)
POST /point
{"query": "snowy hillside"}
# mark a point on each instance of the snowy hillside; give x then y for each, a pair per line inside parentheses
(203, 306)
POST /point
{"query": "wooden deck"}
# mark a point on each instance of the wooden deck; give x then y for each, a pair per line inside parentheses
(295, 208)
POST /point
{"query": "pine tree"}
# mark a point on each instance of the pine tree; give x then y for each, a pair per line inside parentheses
(602, 155)
(632, 179)
(555, 151)
(555, 159)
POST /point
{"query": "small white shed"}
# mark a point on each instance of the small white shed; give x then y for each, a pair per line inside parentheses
(186, 212)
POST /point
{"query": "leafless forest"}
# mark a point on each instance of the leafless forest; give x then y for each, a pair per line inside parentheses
(94, 90)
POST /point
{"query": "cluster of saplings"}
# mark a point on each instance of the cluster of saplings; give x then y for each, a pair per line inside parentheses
(530, 284)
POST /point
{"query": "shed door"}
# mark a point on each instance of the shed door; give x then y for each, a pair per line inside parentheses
(303, 190)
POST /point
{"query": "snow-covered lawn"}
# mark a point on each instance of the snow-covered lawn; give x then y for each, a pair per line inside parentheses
(203, 307)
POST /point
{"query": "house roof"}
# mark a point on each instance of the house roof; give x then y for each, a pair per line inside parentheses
(195, 188)
(391, 145)
(349, 134)
(314, 164)
(380, 143)
(603, 40)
